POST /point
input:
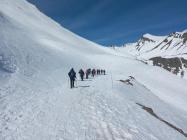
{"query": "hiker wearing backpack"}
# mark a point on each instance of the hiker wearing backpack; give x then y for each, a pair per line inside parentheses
(72, 76)
(81, 72)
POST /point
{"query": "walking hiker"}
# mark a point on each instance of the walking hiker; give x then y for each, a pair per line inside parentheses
(97, 72)
(81, 72)
(93, 72)
(87, 73)
(72, 76)
(104, 72)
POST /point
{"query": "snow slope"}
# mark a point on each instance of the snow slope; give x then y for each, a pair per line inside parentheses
(36, 103)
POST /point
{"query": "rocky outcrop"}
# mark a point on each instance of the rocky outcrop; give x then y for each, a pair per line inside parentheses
(173, 65)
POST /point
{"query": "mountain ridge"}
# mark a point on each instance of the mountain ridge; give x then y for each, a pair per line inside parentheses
(149, 46)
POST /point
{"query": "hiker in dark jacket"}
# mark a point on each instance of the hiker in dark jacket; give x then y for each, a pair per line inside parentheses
(87, 73)
(81, 72)
(72, 76)
(99, 72)
(104, 72)
(93, 72)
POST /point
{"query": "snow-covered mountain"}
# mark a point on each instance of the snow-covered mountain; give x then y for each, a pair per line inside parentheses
(148, 46)
(169, 52)
(36, 54)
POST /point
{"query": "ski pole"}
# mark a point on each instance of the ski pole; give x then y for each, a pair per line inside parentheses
(69, 83)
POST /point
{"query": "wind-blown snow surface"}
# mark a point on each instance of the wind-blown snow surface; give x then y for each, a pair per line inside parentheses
(35, 100)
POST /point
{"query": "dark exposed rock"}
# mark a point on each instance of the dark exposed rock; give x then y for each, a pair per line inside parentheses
(167, 44)
(172, 34)
(128, 82)
(131, 77)
(150, 111)
(165, 40)
(173, 65)
(184, 36)
(175, 35)
(142, 42)
(147, 39)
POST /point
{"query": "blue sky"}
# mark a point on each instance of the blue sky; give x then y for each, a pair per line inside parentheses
(115, 22)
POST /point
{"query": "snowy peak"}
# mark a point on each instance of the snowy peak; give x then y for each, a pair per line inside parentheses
(149, 46)
(145, 38)
(168, 52)
(175, 35)
(184, 36)
(153, 38)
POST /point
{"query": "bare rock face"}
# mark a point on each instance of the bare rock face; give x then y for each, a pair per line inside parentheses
(143, 40)
(173, 65)
(175, 35)
(184, 36)
(147, 39)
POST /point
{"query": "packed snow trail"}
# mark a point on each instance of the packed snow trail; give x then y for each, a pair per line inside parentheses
(98, 112)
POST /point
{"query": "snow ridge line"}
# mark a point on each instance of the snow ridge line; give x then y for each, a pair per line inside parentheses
(150, 111)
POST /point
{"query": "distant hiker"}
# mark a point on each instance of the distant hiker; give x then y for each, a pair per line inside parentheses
(104, 72)
(72, 76)
(81, 72)
(93, 72)
(97, 72)
(182, 73)
(87, 73)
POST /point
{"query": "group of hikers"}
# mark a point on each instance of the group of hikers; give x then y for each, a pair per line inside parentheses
(84, 74)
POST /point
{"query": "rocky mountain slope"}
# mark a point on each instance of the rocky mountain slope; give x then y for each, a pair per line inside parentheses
(148, 46)
(169, 52)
